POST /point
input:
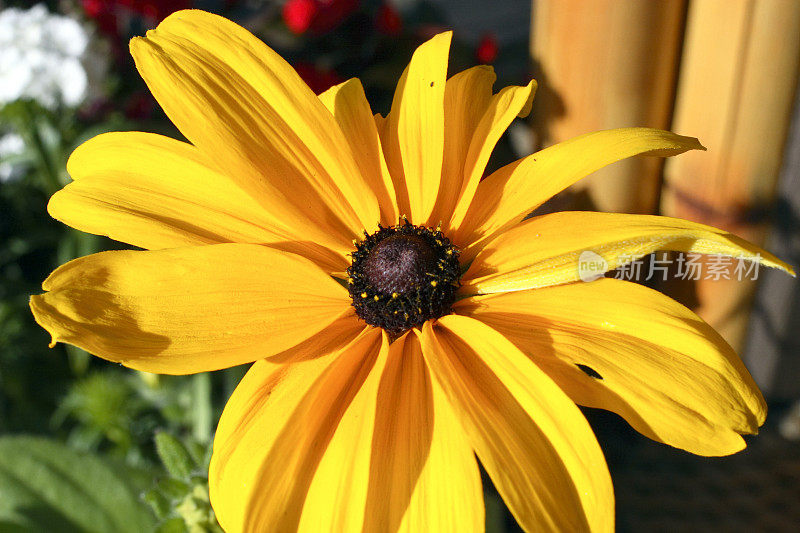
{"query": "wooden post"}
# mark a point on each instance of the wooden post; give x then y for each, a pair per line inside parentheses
(736, 85)
(606, 64)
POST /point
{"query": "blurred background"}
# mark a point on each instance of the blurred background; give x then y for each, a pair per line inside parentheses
(86, 445)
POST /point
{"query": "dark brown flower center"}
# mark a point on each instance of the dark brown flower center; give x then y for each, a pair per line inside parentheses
(399, 263)
(402, 276)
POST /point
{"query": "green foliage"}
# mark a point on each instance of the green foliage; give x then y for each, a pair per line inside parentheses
(117, 411)
(181, 500)
(174, 456)
(28, 243)
(31, 245)
(46, 486)
(105, 412)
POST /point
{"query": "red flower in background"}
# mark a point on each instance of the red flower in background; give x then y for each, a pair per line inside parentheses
(487, 49)
(102, 12)
(155, 9)
(388, 20)
(298, 14)
(318, 16)
(140, 106)
(93, 8)
(318, 79)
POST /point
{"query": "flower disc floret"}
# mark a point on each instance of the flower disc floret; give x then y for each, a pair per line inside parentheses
(402, 276)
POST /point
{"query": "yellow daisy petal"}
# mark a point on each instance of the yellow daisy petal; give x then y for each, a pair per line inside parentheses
(332, 338)
(448, 495)
(328, 260)
(275, 430)
(242, 104)
(533, 441)
(187, 310)
(336, 497)
(474, 122)
(380, 124)
(398, 460)
(663, 369)
(545, 250)
(414, 135)
(155, 192)
(515, 190)
(402, 435)
(349, 105)
(466, 98)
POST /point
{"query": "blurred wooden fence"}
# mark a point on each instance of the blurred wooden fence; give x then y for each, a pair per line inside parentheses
(725, 71)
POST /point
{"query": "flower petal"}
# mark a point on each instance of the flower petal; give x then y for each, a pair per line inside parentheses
(398, 460)
(515, 190)
(448, 495)
(466, 98)
(414, 135)
(328, 260)
(246, 109)
(474, 122)
(275, 429)
(663, 369)
(188, 310)
(155, 192)
(336, 496)
(335, 336)
(546, 250)
(380, 124)
(348, 103)
(533, 441)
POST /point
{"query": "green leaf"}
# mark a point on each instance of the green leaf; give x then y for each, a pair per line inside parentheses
(174, 489)
(174, 525)
(176, 458)
(200, 452)
(46, 486)
(158, 502)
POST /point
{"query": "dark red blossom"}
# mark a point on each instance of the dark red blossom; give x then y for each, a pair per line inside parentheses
(102, 12)
(156, 10)
(317, 16)
(388, 20)
(319, 79)
(487, 49)
(140, 106)
(93, 8)
(298, 14)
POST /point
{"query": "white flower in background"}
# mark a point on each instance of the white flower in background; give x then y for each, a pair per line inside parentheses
(41, 57)
(11, 145)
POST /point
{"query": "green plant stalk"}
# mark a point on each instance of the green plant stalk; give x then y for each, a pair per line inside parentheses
(47, 167)
(203, 411)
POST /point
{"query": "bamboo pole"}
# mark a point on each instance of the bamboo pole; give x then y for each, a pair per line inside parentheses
(738, 76)
(605, 64)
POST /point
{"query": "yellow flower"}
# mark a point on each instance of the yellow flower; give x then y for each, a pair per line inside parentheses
(344, 425)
